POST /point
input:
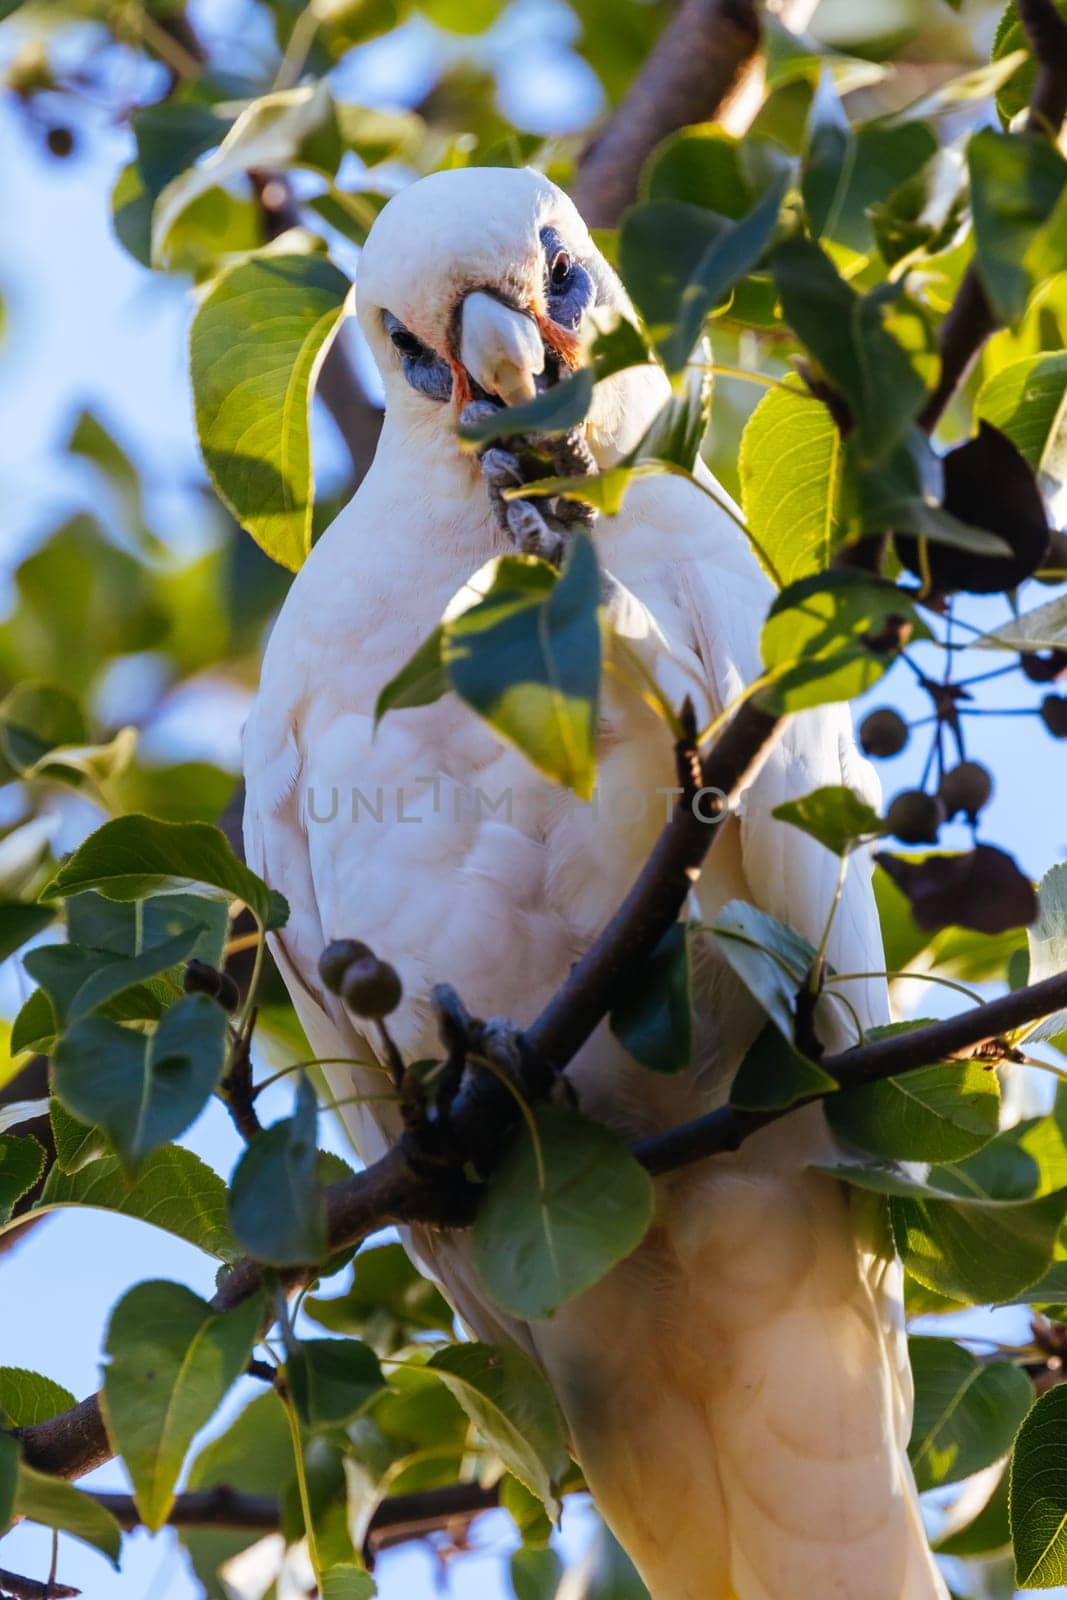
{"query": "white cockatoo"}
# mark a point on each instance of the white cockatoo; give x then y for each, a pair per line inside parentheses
(737, 1391)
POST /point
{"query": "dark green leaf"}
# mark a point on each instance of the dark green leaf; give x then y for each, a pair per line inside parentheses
(79, 981)
(559, 1212)
(526, 657)
(331, 1380)
(510, 1403)
(967, 1411)
(29, 1397)
(21, 1164)
(143, 1091)
(35, 1026)
(837, 816)
(774, 1074)
(174, 1190)
(828, 158)
(418, 683)
(1038, 1494)
(1016, 180)
(132, 857)
(56, 1504)
(257, 344)
(653, 1019)
(556, 410)
(703, 166)
(276, 1206)
(172, 1360)
(832, 636)
(9, 1472)
(125, 927)
(848, 337)
(771, 959)
(19, 921)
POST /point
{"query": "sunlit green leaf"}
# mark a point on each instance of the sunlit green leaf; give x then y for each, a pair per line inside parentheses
(1038, 1496)
(258, 342)
(835, 815)
(39, 1497)
(790, 482)
(29, 1397)
(937, 1113)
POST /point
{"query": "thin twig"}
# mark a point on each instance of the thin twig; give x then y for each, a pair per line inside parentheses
(11, 1583)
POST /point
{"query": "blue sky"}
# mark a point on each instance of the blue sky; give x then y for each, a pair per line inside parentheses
(85, 325)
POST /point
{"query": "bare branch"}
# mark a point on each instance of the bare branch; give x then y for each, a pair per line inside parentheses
(11, 1583)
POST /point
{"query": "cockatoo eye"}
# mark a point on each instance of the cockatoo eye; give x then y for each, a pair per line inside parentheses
(406, 342)
(560, 270)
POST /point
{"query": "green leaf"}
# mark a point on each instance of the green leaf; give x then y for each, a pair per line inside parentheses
(172, 1360)
(258, 342)
(132, 857)
(510, 1403)
(774, 1074)
(346, 1582)
(967, 1411)
(561, 1209)
(828, 158)
(331, 1380)
(174, 1190)
(771, 959)
(276, 1207)
(126, 928)
(56, 1504)
(835, 815)
(680, 263)
(9, 1473)
(925, 213)
(389, 1299)
(20, 921)
(35, 1026)
(825, 638)
(847, 335)
(1044, 628)
(21, 1164)
(79, 981)
(526, 657)
(791, 483)
(1047, 938)
(957, 1240)
(27, 1398)
(1038, 1495)
(36, 719)
(1016, 180)
(535, 1574)
(1027, 400)
(704, 166)
(273, 131)
(1011, 39)
(556, 410)
(143, 1091)
(653, 1020)
(420, 682)
(938, 1113)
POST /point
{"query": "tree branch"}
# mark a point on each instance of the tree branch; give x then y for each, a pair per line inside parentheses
(11, 1583)
(971, 319)
(705, 63)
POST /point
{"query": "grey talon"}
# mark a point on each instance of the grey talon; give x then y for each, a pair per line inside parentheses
(500, 468)
(477, 411)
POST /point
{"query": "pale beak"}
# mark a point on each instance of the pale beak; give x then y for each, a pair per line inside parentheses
(500, 348)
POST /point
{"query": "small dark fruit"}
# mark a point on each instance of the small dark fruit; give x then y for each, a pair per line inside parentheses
(337, 957)
(914, 817)
(200, 978)
(371, 988)
(1044, 666)
(229, 995)
(883, 733)
(60, 141)
(1054, 715)
(966, 788)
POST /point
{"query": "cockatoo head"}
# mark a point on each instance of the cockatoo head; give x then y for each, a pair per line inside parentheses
(476, 282)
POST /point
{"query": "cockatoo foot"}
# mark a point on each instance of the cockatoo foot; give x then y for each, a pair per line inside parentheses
(537, 526)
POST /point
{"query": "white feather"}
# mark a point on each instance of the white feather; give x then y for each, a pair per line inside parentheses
(738, 1389)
